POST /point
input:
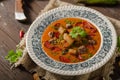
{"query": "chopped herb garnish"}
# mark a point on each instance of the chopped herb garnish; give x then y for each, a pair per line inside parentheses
(64, 51)
(13, 56)
(77, 31)
(69, 22)
(90, 55)
(61, 37)
(54, 53)
(118, 43)
(58, 41)
(82, 33)
(54, 27)
(84, 57)
(74, 60)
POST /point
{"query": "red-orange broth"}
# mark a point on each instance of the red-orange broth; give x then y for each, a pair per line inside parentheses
(71, 40)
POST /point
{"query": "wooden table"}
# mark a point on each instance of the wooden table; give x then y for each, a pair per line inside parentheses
(9, 32)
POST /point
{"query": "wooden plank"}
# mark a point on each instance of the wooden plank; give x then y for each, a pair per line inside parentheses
(8, 24)
(109, 11)
(9, 31)
(41, 4)
(28, 8)
(5, 73)
(113, 11)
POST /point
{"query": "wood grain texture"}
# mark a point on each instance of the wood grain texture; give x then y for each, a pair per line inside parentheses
(9, 31)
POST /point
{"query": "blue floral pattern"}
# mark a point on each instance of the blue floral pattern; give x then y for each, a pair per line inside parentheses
(103, 25)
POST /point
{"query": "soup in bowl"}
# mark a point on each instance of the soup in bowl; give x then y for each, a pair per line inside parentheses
(71, 40)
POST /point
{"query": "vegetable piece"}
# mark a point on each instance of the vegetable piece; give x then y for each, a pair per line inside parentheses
(92, 42)
(56, 26)
(55, 49)
(64, 51)
(66, 44)
(91, 34)
(118, 43)
(48, 45)
(68, 26)
(77, 31)
(90, 55)
(64, 59)
(21, 34)
(94, 30)
(72, 51)
(78, 23)
(12, 56)
(68, 21)
(57, 34)
(62, 41)
(80, 57)
(75, 60)
(105, 2)
(83, 33)
(53, 41)
(58, 41)
(82, 49)
(87, 25)
(68, 38)
(51, 34)
(54, 53)
(61, 30)
(61, 37)
(91, 47)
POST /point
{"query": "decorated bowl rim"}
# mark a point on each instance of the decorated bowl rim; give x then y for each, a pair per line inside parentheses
(80, 72)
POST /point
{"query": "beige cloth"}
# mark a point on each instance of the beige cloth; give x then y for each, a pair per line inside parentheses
(28, 64)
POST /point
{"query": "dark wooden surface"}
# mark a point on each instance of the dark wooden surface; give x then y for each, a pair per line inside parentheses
(9, 31)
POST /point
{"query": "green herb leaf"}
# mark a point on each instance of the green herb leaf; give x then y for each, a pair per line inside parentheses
(54, 53)
(90, 55)
(77, 31)
(61, 37)
(55, 27)
(68, 21)
(64, 51)
(10, 54)
(13, 56)
(19, 52)
(83, 33)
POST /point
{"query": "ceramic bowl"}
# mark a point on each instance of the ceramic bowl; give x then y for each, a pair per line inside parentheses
(105, 52)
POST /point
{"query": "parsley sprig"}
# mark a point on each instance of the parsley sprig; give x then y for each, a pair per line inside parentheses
(77, 31)
(13, 56)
